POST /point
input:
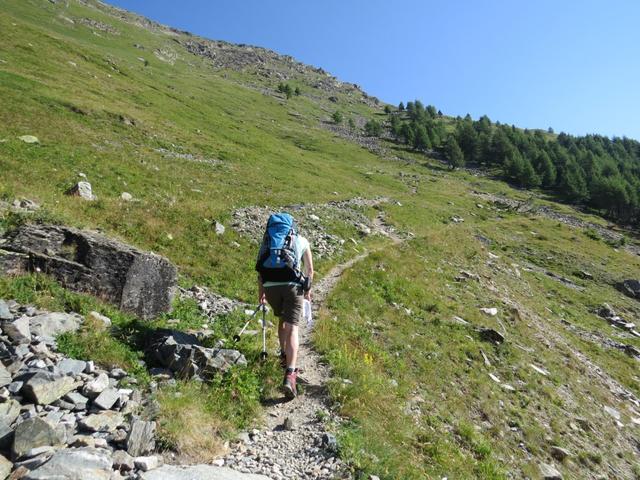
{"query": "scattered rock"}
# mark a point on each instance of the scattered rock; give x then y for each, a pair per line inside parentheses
(630, 288)
(122, 461)
(612, 412)
(35, 432)
(126, 196)
(44, 388)
(549, 472)
(5, 467)
(50, 325)
(219, 228)
(140, 440)
(491, 335)
(5, 313)
(147, 463)
(17, 330)
(106, 421)
(200, 472)
(82, 190)
(29, 139)
(99, 319)
(288, 424)
(107, 399)
(492, 312)
(71, 367)
(559, 453)
(75, 463)
(330, 442)
(96, 386)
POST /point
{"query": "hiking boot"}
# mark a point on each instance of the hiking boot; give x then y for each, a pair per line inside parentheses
(289, 384)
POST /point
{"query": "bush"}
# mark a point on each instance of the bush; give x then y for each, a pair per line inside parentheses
(373, 128)
(337, 117)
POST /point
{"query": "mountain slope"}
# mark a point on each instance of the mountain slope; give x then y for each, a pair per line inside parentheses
(198, 133)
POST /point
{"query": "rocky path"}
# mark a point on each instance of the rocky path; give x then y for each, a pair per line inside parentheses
(293, 444)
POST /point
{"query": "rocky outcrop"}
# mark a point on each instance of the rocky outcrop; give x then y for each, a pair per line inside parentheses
(631, 288)
(185, 357)
(138, 282)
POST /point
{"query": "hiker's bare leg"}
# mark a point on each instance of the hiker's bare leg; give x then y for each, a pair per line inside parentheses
(291, 344)
(281, 336)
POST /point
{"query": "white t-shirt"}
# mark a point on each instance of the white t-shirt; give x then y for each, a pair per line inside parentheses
(302, 245)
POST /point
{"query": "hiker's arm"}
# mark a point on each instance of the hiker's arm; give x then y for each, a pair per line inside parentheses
(261, 295)
(308, 267)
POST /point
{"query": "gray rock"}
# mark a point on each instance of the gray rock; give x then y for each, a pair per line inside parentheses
(107, 399)
(138, 282)
(69, 366)
(126, 196)
(288, 424)
(186, 358)
(17, 330)
(122, 461)
(79, 401)
(9, 412)
(35, 432)
(5, 376)
(219, 228)
(140, 440)
(605, 311)
(75, 464)
(106, 421)
(5, 313)
(630, 288)
(44, 388)
(559, 453)
(201, 472)
(549, 472)
(491, 335)
(5, 467)
(82, 190)
(96, 386)
(147, 463)
(49, 325)
(330, 442)
(15, 387)
(99, 319)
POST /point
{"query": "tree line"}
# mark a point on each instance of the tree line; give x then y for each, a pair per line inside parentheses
(593, 170)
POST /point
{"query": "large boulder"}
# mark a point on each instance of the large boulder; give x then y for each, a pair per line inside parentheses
(50, 325)
(35, 432)
(183, 354)
(44, 388)
(138, 282)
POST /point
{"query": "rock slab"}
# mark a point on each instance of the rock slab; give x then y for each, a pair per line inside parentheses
(75, 463)
(201, 472)
(138, 282)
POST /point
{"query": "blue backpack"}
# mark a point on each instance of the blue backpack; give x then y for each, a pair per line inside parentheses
(278, 256)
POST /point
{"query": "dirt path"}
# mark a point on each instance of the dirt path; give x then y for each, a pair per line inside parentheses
(303, 451)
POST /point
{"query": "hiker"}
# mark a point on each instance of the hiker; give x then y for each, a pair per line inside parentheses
(284, 284)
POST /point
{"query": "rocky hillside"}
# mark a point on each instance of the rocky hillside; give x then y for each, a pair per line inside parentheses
(467, 329)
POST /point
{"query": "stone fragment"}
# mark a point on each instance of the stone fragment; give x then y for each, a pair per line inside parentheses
(612, 411)
(559, 453)
(288, 424)
(630, 287)
(138, 282)
(44, 388)
(492, 311)
(29, 139)
(78, 400)
(69, 366)
(5, 313)
(17, 330)
(219, 228)
(5, 376)
(147, 463)
(9, 412)
(75, 463)
(96, 386)
(330, 442)
(5, 467)
(122, 461)
(200, 472)
(99, 319)
(491, 335)
(107, 399)
(126, 196)
(549, 472)
(32, 433)
(106, 421)
(83, 190)
(49, 325)
(140, 440)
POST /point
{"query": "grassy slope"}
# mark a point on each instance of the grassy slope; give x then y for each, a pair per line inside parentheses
(468, 426)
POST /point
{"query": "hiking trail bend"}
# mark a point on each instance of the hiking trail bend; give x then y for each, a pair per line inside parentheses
(298, 450)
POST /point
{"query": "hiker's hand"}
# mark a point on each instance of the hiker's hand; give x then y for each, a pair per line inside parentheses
(262, 298)
(307, 295)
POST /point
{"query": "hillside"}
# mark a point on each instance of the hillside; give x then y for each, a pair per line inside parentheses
(180, 136)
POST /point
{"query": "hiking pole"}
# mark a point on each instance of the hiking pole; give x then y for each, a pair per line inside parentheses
(263, 354)
(236, 338)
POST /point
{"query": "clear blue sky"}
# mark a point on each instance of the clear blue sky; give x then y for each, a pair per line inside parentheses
(573, 65)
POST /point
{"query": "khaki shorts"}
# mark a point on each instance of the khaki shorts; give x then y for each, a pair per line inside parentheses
(286, 301)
